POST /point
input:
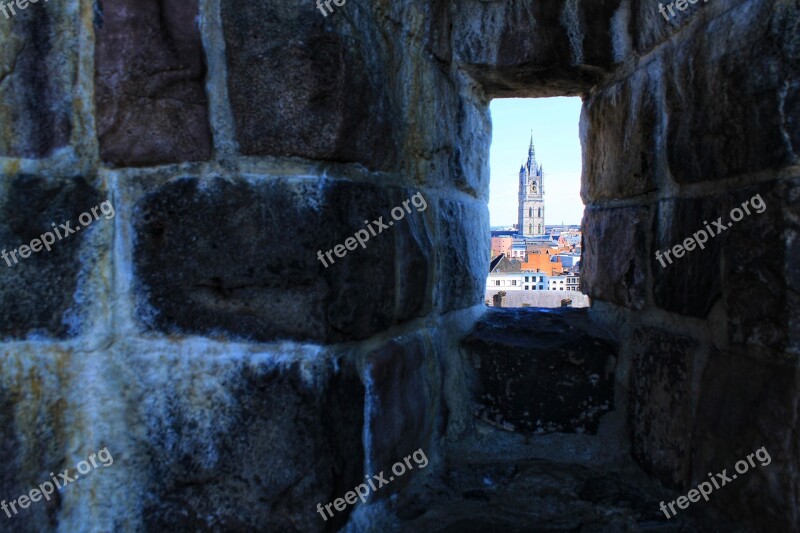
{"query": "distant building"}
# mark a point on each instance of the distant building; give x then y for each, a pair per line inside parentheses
(531, 196)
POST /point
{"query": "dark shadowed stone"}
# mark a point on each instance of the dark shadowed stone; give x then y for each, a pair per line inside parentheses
(149, 79)
(302, 84)
(463, 267)
(32, 436)
(614, 257)
(282, 442)
(648, 27)
(232, 258)
(401, 405)
(745, 405)
(542, 371)
(733, 94)
(522, 48)
(690, 284)
(483, 493)
(37, 73)
(662, 403)
(618, 130)
(38, 294)
(761, 268)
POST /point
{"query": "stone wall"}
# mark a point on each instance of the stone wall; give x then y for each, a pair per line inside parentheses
(236, 380)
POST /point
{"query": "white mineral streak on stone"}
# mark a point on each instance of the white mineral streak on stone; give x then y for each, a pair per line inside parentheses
(620, 38)
(571, 22)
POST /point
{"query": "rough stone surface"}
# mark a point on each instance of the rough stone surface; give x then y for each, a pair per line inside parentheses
(542, 371)
(524, 48)
(745, 405)
(629, 161)
(33, 427)
(735, 85)
(691, 284)
(236, 259)
(265, 446)
(149, 77)
(38, 294)
(37, 74)
(480, 494)
(462, 267)
(615, 272)
(764, 310)
(306, 85)
(662, 403)
(402, 380)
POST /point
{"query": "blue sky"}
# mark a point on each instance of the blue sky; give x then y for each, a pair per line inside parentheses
(554, 122)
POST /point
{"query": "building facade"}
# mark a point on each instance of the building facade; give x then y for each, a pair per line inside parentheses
(531, 196)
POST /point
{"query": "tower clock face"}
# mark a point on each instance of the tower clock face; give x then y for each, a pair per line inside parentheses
(533, 187)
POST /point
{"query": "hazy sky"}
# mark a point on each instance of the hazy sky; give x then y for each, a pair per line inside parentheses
(554, 122)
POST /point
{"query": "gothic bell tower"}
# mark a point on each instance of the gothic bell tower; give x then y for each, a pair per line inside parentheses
(531, 196)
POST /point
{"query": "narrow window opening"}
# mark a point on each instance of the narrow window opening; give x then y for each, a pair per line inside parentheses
(535, 205)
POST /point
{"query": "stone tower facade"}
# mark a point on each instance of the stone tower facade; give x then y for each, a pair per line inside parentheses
(531, 196)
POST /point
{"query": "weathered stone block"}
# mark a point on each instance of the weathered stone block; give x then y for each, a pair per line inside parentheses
(33, 434)
(463, 265)
(730, 92)
(761, 262)
(691, 284)
(302, 84)
(39, 293)
(149, 83)
(614, 256)
(621, 155)
(38, 69)
(524, 48)
(402, 401)
(268, 443)
(241, 259)
(661, 403)
(542, 371)
(745, 405)
(648, 27)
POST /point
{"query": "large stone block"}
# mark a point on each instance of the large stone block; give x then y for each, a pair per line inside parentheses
(733, 94)
(661, 403)
(648, 27)
(542, 371)
(621, 155)
(40, 294)
(34, 426)
(403, 392)
(307, 85)
(761, 263)
(524, 48)
(615, 255)
(150, 83)
(749, 264)
(246, 445)
(240, 259)
(745, 405)
(690, 284)
(38, 69)
(463, 265)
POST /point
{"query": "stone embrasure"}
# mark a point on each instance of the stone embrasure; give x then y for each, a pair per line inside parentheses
(541, 371)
